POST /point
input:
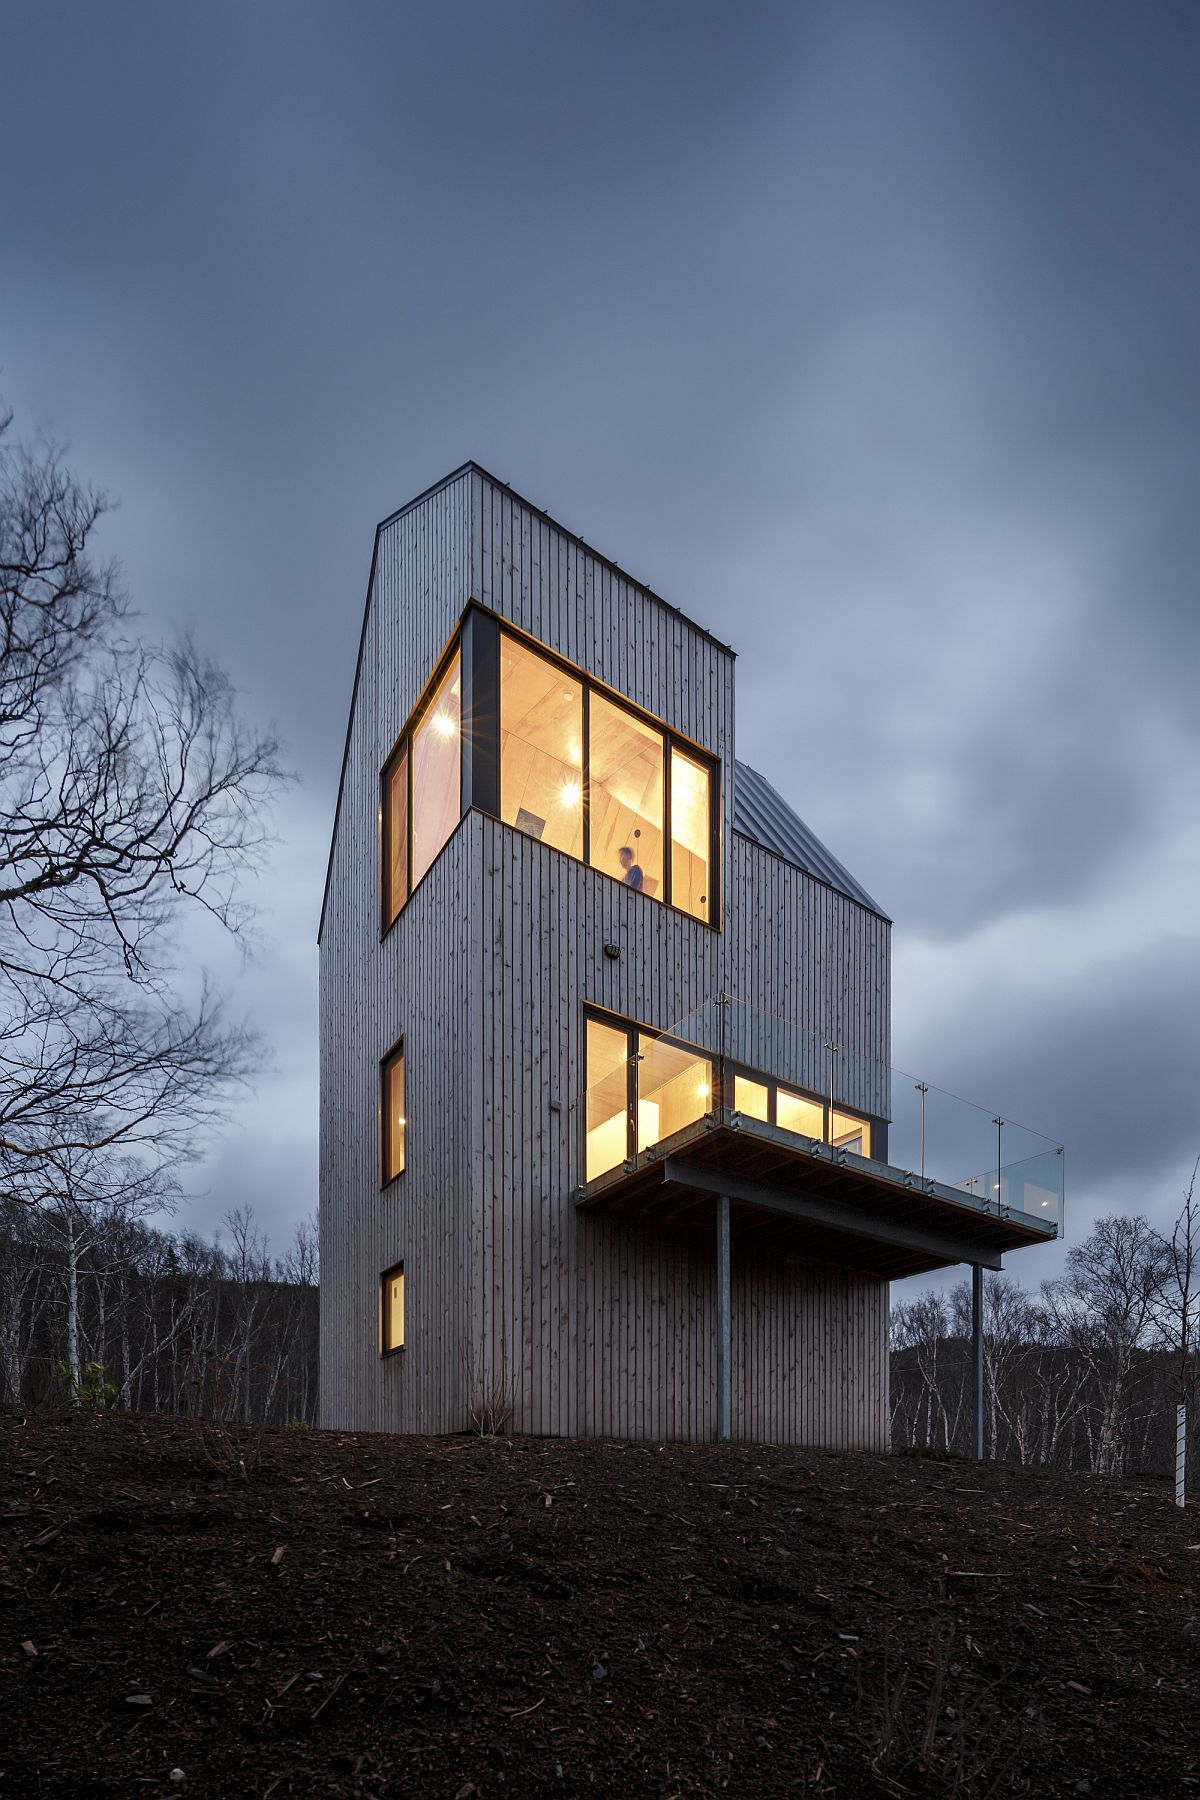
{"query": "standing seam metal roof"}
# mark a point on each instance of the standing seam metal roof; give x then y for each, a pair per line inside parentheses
(760, 813)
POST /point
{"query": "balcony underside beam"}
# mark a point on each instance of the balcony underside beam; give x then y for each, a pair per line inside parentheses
(945, 1246)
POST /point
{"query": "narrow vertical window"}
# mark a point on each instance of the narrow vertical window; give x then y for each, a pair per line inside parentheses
(625, 796)
(392, 1114)
(391, 1310)
(691, 835)
(606, 1105)
(541, 748)
(395, 835)
(437, 770)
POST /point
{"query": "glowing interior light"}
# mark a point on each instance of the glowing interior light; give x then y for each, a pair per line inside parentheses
(443, 724)
(702, 1091)
(570, 793)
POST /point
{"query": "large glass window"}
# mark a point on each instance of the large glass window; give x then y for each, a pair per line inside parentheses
(392, 1114)
(751, 1097)
(437, 770)
(674, 1087)
(391, 1310)
(538, 745)
(395, 835)
(625, 796)
(541, 748)
(691, 834)
(797, 1113)
(642, 1088)
(849, 1133)
(607, 1099)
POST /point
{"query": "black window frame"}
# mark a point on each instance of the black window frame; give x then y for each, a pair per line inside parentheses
(476, 640)
(670, 739)
(386, 1350)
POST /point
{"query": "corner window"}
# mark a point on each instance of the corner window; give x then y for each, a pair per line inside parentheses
(392, 1114)
(391, 1310)
(512, 730)
(641, 1089)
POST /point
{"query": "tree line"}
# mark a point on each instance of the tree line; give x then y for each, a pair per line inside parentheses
(1086, 1372)
(103, 1309)
(134, 803)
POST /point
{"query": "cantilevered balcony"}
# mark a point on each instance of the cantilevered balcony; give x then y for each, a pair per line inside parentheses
(815, 1148)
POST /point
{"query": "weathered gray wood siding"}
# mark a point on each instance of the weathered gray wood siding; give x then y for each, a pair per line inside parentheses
(371, 993)
(812, 967)
(607, 1329)
(486, 973)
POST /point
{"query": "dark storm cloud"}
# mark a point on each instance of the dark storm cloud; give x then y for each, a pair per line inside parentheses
(864, 334)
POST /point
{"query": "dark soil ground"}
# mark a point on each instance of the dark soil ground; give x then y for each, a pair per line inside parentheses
(395, 1616)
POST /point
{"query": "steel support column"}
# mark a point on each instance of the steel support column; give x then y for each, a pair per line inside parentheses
(724, 1324)
(977, 1354)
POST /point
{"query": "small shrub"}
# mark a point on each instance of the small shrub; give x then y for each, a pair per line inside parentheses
(91, 1389)
(931, 1727)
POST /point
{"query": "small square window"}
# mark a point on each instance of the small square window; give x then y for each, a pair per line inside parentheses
(391, 1311)
(391, 1105)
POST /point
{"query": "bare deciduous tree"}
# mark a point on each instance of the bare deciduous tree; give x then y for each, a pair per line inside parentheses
(131, 796)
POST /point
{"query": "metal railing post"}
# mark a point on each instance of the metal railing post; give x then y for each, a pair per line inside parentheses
(724, 1325)
(977, 1354)
(922, 1088)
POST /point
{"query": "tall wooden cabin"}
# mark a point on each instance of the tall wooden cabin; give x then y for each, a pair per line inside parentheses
(609, 1138)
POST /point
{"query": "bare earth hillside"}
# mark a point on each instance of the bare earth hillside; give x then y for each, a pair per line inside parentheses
(396, 1616)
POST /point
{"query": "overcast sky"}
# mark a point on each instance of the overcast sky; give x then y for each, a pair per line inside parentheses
(866, 333)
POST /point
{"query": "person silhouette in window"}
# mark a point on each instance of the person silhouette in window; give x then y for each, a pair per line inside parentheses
(633, 873)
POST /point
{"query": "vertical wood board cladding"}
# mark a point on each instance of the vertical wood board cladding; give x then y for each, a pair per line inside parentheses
(371, 994)
(566, 596)
(813, 966)
(485, 974)
(603, 1328)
